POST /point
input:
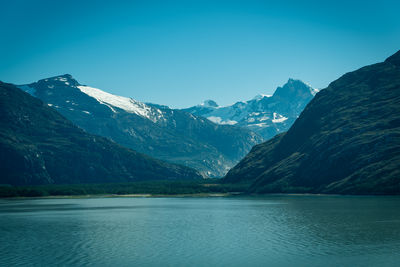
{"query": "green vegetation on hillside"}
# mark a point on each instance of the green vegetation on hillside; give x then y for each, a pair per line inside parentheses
(346, 141)
(39, 146)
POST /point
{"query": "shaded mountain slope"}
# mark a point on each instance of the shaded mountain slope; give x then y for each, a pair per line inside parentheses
(347, 140)
(39, 146)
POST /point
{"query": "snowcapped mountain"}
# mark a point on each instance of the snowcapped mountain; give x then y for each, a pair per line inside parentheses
(48, 89)
(266, 115)
(168, 134)
(127, 104)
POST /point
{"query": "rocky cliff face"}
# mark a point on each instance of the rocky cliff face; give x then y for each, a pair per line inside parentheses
(347, 140)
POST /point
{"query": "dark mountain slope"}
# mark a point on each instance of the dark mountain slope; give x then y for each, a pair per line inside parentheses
(347, 140)
(39, 146)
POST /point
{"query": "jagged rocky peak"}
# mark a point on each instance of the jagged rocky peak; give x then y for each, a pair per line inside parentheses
(48, 85)
(295, 88)
(65, 79)
(209, 103)
(64, 90)
(265, 114)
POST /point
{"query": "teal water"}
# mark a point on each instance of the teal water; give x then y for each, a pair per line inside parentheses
(267, 231)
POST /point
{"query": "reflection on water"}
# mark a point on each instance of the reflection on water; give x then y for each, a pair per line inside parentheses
(274, 231)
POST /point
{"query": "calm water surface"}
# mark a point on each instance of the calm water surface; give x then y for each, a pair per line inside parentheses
(267, 231)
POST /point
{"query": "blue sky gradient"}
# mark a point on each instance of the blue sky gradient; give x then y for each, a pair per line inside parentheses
(179, 53)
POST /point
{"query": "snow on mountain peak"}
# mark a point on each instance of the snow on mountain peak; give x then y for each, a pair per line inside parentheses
(66, 79)
(260, 96)
(125, 103)
(295, 88)
(209, 103)
(296, 81)
(313, 91)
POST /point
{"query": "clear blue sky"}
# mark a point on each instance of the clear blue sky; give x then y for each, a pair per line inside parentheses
(179, 53)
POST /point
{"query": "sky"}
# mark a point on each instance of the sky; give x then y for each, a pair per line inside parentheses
(179, 53)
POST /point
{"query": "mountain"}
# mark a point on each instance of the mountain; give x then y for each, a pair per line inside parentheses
(347, 140)
(264, 114)
(167, 134)
(39, 146)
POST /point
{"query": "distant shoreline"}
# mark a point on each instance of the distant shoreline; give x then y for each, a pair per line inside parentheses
(147, 189)
(129, 196)
(208, 188)
(196, 195)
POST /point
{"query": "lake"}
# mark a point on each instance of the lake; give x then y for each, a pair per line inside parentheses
(279, 230)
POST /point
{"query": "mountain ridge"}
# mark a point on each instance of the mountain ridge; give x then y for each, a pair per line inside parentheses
(266, 115)
(40, 146)
(167, 134)
(347, 140)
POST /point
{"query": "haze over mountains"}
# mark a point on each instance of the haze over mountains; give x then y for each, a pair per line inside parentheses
(347, 140)
(266, 115)
(164, 133)
(39, 146)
